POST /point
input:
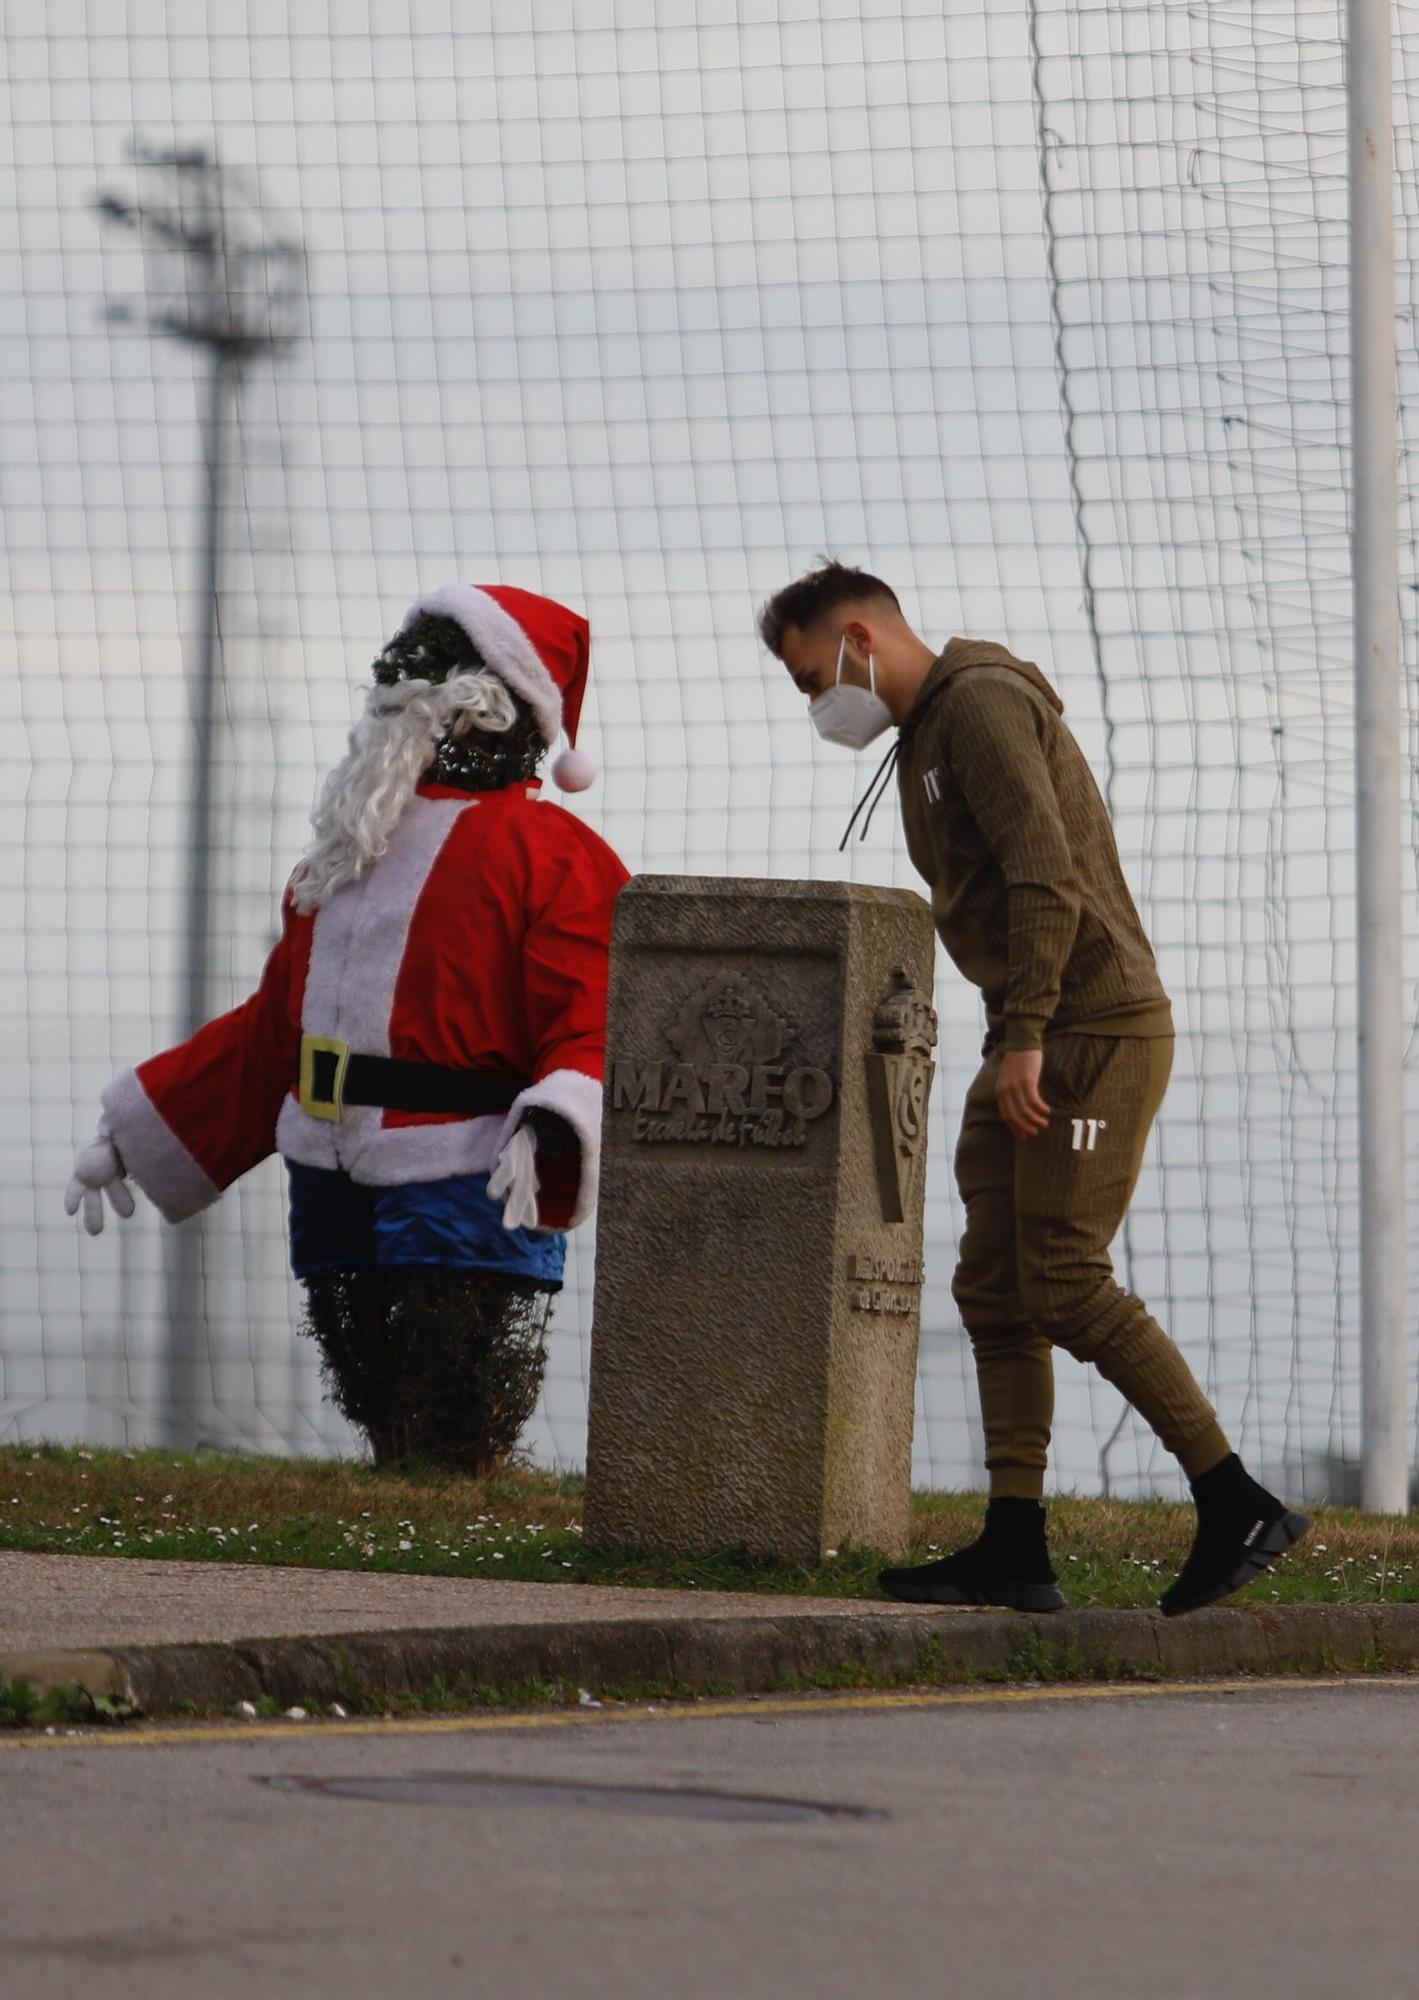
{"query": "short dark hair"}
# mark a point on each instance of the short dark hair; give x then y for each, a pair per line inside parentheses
(823, 590)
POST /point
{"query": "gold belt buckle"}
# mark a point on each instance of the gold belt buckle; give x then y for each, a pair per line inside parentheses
(322, 1083)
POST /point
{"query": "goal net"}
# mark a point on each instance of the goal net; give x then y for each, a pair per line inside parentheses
(1039, 312)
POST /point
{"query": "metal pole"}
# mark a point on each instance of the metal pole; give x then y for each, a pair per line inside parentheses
(1374, 529)
(186, 1302)
(196, 999)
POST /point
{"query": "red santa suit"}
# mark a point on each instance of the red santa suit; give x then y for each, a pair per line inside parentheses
(478, 942)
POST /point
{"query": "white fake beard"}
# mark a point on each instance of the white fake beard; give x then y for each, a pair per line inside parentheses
(391, 747)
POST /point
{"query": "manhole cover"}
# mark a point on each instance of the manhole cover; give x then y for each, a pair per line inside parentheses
(458, 1788)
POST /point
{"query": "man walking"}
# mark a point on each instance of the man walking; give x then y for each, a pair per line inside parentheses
(1004, 822)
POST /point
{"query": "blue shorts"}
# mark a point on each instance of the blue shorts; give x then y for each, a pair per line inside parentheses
(338, 1224)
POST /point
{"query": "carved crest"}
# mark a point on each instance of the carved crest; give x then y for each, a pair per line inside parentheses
(729, 1021)
(905, 1021)
(899, 1073)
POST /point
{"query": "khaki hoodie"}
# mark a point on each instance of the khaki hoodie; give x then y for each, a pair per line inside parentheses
(1004, 821)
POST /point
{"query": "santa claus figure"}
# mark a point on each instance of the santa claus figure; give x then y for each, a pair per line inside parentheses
(425, 1046)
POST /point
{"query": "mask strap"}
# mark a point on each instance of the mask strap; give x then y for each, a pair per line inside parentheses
(871, 666)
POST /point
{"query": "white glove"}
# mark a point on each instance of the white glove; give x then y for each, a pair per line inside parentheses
(98, 1171)
(514, 1180)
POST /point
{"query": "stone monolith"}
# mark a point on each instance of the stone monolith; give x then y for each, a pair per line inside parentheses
(759, 1243)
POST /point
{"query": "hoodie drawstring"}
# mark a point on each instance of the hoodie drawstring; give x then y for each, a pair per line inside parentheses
(886, 770)
(873, 796)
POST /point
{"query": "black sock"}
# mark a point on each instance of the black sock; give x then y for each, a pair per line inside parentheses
(1018, 1522)
(1229, 1488)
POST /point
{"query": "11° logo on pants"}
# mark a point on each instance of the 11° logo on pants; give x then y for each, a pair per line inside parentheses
(1086, 1133)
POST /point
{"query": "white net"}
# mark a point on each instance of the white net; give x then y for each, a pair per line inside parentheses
(644, 306)
(1196, 241)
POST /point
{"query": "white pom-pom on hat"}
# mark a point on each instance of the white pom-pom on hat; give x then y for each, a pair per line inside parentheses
(574, 771)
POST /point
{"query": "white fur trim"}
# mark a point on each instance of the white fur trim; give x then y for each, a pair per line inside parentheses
(577, 1098)
(503, 644)
(153, 1154)
(309, 1141)
(388, 1157)
(360, 936)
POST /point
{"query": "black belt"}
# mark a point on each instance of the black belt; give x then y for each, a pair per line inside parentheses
(332, 1077)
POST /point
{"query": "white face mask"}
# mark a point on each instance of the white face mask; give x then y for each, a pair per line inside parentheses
(851, 717)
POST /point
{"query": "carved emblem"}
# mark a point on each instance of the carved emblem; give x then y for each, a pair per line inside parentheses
(899, 1073)
(731, 1084)
(729, 1021)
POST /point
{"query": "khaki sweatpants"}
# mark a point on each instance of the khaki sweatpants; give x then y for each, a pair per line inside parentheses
(1035, 1271)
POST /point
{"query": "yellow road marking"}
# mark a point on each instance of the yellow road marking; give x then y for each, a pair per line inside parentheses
(181, 1734)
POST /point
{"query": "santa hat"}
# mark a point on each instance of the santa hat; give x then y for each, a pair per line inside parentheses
(539, 647)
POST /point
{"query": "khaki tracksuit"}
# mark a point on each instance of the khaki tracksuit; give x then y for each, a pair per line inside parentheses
(1004, 821)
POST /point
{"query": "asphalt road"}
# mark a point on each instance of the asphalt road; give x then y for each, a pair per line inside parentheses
(1155, 1843)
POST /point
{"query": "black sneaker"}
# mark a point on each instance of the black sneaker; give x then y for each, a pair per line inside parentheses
(1007, 1565)
(1242, 1532)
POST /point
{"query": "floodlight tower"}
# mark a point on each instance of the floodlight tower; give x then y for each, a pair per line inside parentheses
(220, 278)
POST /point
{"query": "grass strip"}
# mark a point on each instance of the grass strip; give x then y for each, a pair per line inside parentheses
(526, 1526)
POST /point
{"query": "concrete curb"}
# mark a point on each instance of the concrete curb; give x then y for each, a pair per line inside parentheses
(742, 1656)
